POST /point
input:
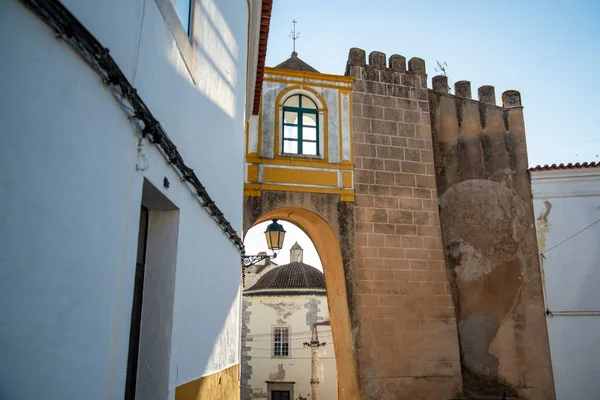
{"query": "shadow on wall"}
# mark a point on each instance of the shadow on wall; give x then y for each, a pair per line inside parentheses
(223, 385)
(211, 111)
(69, 281)
(194, 115)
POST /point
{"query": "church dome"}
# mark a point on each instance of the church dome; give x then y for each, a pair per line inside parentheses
(295, 278)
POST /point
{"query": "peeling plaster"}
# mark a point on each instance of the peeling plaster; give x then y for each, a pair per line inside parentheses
(279, 375)
(473, 265)
(312, 315)
(476, 334)
(543, 226)
(259, 393)
(282, 309)
(492, 254)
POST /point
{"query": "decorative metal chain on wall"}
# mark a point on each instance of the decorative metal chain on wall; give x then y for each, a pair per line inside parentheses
(69, 29)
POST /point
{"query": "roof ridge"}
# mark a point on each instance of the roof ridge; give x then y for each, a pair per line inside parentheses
(576, 165)
(295, 63)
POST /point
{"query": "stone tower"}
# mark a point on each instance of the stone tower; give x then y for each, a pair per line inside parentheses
(478, 290)
(408, 339)
(418, 202)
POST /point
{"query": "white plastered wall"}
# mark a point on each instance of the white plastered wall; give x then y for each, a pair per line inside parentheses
(291, 311)
(71, 195)
(566, 202)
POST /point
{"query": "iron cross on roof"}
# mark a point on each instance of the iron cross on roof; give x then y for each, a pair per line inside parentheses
(294, 35)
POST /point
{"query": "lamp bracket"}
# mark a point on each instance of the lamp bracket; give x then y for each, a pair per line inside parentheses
(248, 261)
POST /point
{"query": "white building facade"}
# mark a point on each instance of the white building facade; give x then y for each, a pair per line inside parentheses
(566, 202)
(85, 199)
(280, 312)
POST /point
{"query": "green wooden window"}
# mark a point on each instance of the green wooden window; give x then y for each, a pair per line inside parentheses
(300, 126)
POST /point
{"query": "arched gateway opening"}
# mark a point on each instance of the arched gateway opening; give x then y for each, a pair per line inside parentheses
(328, 246)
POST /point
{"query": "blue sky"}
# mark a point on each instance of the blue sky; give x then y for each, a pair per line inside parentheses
(548, 50)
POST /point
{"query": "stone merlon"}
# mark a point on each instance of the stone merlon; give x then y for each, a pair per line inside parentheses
(377, 60)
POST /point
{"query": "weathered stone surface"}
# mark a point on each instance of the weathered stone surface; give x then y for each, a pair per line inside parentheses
(491, 253)
(463, 89)
(407, 325)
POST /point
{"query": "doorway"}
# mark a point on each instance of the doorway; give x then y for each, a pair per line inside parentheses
(148, 361)
(280, 395)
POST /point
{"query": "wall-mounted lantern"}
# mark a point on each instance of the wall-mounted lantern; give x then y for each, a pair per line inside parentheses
(274, 235)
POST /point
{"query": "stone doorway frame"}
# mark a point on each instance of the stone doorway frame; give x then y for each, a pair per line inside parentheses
(328, 247)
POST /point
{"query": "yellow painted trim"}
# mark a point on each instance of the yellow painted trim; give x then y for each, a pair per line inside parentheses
(300, 176)
(327, 243)
(279, 107)
(290, 82)
(252, 173)
(255, 189)
(222, 385)
(347, 180)
(251, 192)
(310, 75)
(298, 162)
(340, 131)
(347, 197)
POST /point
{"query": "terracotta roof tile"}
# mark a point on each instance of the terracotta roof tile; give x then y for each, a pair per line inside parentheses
(295, 64)
(265, 21)
(295, 275)
(547, 167)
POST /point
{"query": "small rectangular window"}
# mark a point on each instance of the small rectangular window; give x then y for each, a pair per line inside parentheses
(184, 11)
(281, 342)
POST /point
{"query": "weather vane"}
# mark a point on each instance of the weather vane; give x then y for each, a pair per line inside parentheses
(294, 35)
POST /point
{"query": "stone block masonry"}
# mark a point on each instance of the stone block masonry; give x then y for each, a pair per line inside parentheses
(408, 344)
(488, 229)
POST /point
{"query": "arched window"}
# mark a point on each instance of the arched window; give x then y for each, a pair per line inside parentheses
(300, 126)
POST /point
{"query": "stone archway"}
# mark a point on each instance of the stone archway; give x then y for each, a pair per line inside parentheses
(327, 243)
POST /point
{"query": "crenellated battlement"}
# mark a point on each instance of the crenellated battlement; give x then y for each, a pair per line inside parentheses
(477, 139)
(377, 60)
(384, 76)
(427, 159)
(381, 69)
(485, 94)
(395, 70)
